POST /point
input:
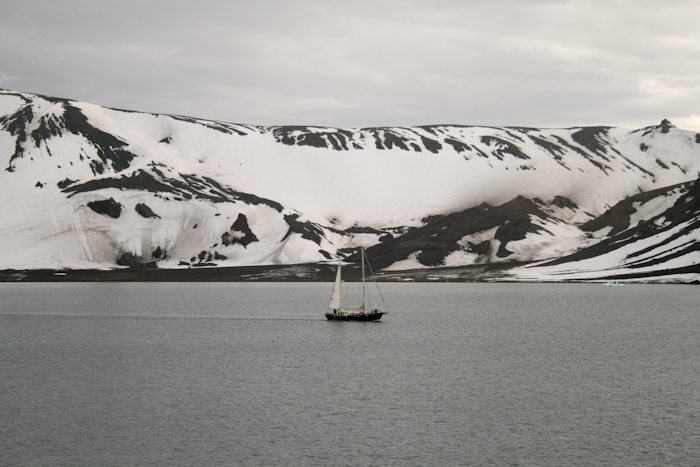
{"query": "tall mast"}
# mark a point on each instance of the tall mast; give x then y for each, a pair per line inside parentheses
(364, 287)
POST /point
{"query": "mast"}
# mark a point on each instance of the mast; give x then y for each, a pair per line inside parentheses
(364, 286)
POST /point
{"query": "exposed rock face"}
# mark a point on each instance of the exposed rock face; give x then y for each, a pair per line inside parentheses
(442, 235)
(132, 261)
(239, 234)
(108, 207)
(145, 211)
(563, 202)
(159, 253)
(307, 230)
(666, 126)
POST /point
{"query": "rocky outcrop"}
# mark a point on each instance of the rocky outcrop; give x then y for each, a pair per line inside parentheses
(145, 211)
(108, 207)
(239, 234)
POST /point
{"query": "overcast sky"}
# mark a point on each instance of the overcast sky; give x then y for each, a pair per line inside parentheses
(352, 63)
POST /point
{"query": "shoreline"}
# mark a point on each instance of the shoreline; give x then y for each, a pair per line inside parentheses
(316, 272)
(270, 273)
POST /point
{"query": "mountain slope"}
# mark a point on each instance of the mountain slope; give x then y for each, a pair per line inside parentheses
(651, 235)
(90, 187)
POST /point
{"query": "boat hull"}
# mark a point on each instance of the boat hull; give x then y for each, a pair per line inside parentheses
(354, 316)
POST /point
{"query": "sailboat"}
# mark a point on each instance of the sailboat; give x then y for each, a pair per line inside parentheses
(357, 314)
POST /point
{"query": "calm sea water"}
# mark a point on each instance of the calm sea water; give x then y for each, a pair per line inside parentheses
(252, 375)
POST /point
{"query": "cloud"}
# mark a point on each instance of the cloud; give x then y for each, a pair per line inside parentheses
(384, 62)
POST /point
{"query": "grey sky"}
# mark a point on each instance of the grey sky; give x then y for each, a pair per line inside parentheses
(365, 63)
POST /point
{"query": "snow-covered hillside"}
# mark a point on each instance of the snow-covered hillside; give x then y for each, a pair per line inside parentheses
(89, 187)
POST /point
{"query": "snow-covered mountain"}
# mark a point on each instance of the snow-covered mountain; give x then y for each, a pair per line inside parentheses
(87, 187)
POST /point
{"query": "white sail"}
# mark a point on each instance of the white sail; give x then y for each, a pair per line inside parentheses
(335, 298)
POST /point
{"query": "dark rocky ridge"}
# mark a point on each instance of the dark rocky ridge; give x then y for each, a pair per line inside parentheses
(440, 235)
(186, 187)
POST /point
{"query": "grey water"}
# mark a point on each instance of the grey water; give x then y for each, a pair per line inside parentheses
(250, 374)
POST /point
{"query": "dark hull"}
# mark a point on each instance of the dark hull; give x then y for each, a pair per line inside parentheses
(354, 316)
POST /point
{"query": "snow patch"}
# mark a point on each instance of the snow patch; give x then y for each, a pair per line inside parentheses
(409, 263)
